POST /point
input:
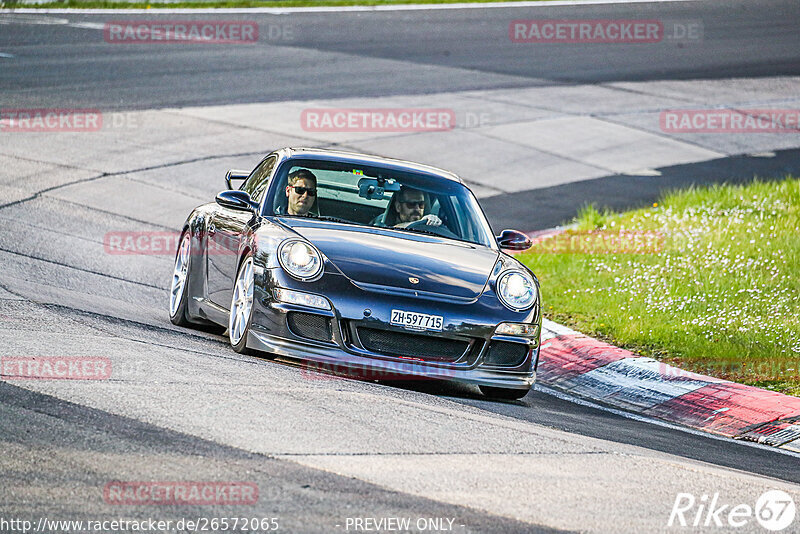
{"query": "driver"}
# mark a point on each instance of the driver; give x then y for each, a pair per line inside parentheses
(301, 190)
(410, 207)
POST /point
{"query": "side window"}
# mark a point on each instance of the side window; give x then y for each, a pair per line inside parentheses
(256, 183)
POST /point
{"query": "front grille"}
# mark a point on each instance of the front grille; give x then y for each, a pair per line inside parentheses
(310, 325)
(393, 343)
(505, 354)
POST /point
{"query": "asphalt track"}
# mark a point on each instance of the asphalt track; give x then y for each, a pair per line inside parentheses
(322, 55)
(183, 406)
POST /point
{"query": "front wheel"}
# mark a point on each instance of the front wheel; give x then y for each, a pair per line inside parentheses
(179, 295)
(242, 307)
(503, 393)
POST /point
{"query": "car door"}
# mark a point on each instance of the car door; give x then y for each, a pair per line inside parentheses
(225, 231)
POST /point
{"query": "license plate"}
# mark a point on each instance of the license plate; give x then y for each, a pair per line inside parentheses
(416, 320)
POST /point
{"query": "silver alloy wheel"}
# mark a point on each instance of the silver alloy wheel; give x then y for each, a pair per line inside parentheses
(242, 302)
(179, 275)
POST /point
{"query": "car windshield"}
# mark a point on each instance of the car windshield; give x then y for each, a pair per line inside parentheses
(378, 197)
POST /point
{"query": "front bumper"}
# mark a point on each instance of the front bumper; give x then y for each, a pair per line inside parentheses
(472, 323)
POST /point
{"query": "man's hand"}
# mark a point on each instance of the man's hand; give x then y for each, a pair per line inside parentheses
(432, 220)
(429, 219)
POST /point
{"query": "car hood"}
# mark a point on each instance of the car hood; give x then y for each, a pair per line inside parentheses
(384, 258)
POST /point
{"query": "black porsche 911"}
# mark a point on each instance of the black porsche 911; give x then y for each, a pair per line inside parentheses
(374, 265)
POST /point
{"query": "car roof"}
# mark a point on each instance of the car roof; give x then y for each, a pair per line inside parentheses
(365, 159)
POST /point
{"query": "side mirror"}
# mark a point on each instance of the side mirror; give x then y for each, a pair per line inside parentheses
(514, 240)
(235, 175)
(236, 200)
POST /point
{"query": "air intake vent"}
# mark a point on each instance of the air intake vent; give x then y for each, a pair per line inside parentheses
(311, 326)
(505, 354)
(393, 343)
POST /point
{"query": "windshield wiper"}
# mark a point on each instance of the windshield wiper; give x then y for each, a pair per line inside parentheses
(333, 219)
(421, 230)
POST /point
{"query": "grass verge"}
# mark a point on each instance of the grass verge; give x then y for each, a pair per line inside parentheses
(707, 279)
(105, 4)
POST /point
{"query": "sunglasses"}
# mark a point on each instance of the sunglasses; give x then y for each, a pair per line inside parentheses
(417, 204)
(300, 190)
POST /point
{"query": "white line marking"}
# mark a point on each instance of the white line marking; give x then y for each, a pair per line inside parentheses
(16, 19)
(88, 25)
(2, 54)
(658, 422)
(338, 9)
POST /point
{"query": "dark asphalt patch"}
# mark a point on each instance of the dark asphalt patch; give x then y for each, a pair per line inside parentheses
(538, 209)
(347, 55)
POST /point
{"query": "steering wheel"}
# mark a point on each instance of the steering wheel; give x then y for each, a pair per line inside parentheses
(441, 230)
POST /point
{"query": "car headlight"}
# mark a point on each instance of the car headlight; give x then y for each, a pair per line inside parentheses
(516, 290)
(300, 259)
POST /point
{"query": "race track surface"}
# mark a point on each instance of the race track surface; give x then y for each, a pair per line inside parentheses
(181, 405)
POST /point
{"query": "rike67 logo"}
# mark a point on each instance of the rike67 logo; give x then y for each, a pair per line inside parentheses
(774, 510)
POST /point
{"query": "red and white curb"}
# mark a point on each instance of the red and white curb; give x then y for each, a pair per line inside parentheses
(585, 367)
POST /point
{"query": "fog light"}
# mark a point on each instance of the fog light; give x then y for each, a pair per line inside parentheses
(517, 329)
(302, 299)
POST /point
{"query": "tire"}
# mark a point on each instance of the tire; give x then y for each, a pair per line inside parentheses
(179, 296)
(503, 393)
(241, 313)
